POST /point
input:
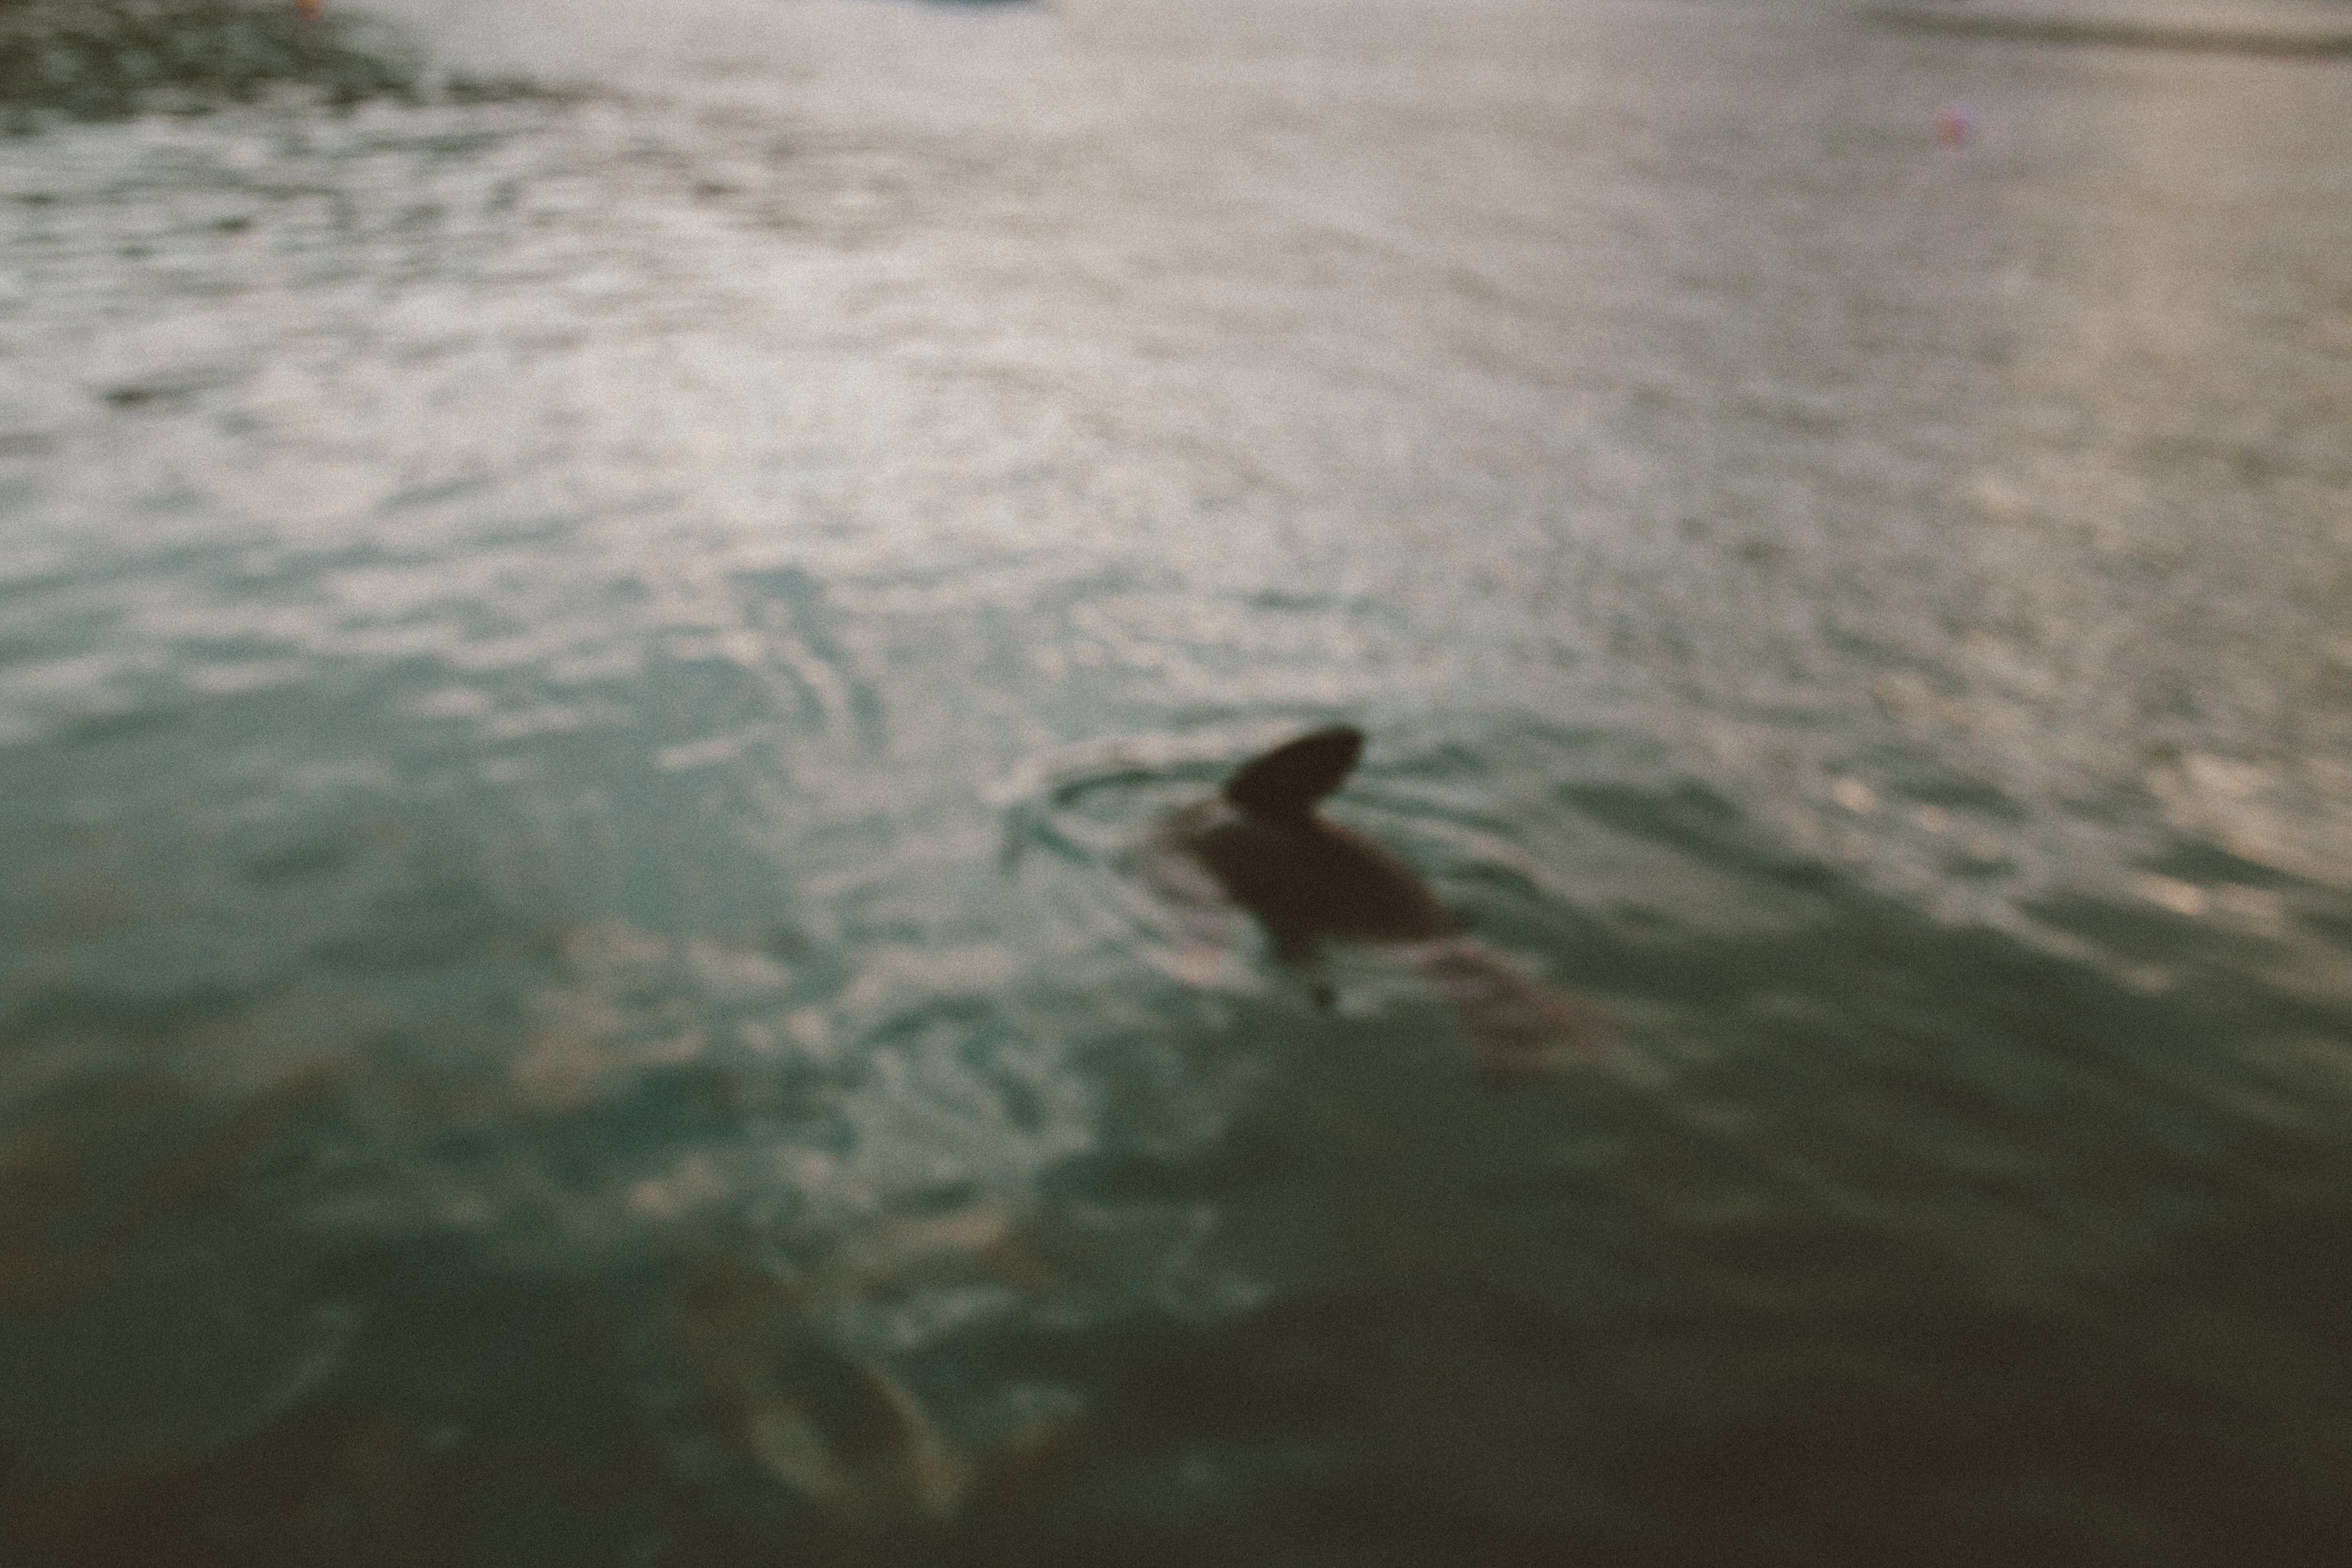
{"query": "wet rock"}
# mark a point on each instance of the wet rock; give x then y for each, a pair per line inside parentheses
(109, 59)
(787, 1383)
(841, 1431)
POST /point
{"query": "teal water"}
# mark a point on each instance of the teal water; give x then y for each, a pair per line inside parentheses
(581, 677)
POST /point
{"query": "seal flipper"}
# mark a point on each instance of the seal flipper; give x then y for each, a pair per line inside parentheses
(1286, 783)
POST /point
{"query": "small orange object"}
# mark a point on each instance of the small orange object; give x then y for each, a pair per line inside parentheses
(308, 10)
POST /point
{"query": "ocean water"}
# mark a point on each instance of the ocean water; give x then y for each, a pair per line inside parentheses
(582, 674)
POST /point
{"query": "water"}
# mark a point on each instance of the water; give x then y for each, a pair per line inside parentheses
(579, 676)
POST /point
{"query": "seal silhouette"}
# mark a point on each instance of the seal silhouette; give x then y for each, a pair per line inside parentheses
(1262, 843)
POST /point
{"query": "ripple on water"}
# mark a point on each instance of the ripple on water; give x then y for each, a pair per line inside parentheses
(583, 682)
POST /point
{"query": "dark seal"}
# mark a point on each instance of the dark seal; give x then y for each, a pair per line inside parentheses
(1265, 847)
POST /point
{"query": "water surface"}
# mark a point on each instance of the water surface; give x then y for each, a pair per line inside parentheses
(578, 676)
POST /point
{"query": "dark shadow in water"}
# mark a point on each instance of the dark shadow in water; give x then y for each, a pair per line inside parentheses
(1550, 1365)
(478, 1419)
(1480, 1346)
(1607, 1320)
(2041, 27)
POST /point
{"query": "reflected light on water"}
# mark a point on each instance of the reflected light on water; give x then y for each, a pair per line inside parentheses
(587, 675)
